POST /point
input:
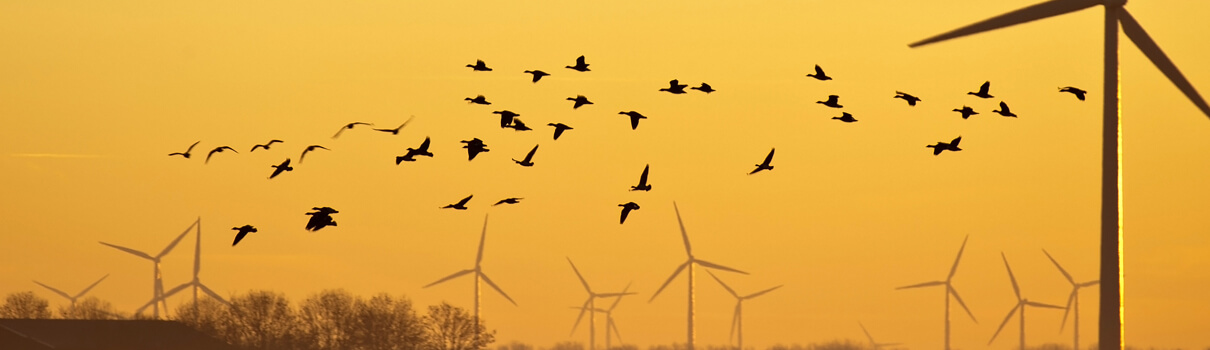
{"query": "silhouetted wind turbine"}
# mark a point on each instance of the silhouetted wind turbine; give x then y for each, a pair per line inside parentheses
(478, 271)
(949, 290)
(609, 324)
(1111, 153)
(737, 319)
(591, 305)
(196, 283)
(1021, 304)
(874, 344)
(157, 289)
(76, 297)
(689, 264)
(1072, 300)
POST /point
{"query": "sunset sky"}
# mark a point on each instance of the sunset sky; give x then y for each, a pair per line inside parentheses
(94, 95)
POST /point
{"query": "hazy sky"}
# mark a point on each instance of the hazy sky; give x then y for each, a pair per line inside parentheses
(93, 96)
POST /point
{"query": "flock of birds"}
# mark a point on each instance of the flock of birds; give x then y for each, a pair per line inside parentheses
(321, 216)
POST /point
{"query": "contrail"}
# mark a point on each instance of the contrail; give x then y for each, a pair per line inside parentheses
(55, 155)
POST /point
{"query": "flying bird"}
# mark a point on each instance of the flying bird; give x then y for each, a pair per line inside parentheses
(643, 185)
(1074, 91)
(518, 125)
(559, 129)
(766, 164)
(395, 131)
(308, 149)
(846, 117)
(506, 117)
(479, 66)
(634, 119)
(474, 147)
(580, 65)
(461, 205)
(626, 208)
(942, 146)
(478, 100)
(278, 169)
(528, 161)
(537, 74)
(266, 145)
(218, 150)
(580, 101)
(704, 88)
(983, 90)
(320, 218)
(1004, 110)
(513, 200)
(675, 87)
(349, 126)
(243, 231)
(966, 111)
(325, 210)
(819, 74)
(185, 154)
(911, 100)
(423, 150)
(833, 101)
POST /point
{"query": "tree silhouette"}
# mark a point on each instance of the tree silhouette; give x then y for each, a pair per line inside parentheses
(386, 323)
(328, 320)
(24, 305)
(451, 328)
(90, 308)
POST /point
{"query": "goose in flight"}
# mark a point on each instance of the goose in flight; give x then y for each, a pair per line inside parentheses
(1074, 91)
(187, 153)
(675, 87)
(559, 129)
(911, 100)
(278, 169)
(349, 126)
(580, 65)
(703, 88)
(966, 111)
(819, 74)
(537, 74)
(461, 205)
(766, 164)
(846, 117)
(643, 185)
(266, 145)
(243, 231)
(518, 125)
(474, 147)
(833, 101)
(308, 149)
(506, 117)
(943, 146)
(478, 100)
(395, 131)
(423, 150)
(479, 66)
(580, 101)
(987, 85)
(626, 208)
(1004, 110)
(513, 200)
(218, 150)
(528, 161)
(634, 119)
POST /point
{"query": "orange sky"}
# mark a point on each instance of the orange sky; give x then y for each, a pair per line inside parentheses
(93, 96)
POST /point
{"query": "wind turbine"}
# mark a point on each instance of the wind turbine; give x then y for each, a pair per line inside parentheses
(73, 298)
(609, 324)
(478, 271)
(737, 319)
(949, 290)
(874, 344)
(196, 283)
(591, 305)
(1021, 304)
(689, 263)
(158, 285)
(1111, 154)
(1073, 299)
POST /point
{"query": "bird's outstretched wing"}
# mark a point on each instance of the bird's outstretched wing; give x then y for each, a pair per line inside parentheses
(769, 158)
(464, 200)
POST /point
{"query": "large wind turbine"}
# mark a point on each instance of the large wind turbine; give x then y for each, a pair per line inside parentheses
(1073, 299)
(949, 290)
(478, 271)
(196, 283)
(1111, 154)
(157, 287)
(737, 319)
(1021, 304)
(689, 263)
(591, 305)
(874, 344)
(73, 298)
(609, 324)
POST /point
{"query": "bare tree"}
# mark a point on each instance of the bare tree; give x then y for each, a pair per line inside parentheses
(452, 328)
(515, 345)
(24, 305)
(208, 317)
(90, 308)
(327, 320)
(386, 323)
(263, 320)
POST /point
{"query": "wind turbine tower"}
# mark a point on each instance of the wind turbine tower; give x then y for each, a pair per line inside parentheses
(737, 319)
(478, 271)
(590, 306)
(1072, 300)
(1021, 304)
(949, 290)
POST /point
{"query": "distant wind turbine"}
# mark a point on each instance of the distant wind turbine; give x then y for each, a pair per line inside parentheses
(591, 305)
(949, 290)
(1110, 324)
(478, 271)
(196, 282)
(737, 319)
(1021, 304)
(73, 298)
(689, 263)
(609, 324)
(1072, 300)
(874, 344)
(157, 289)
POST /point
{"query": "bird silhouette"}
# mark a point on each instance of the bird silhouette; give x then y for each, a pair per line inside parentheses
(309, 149)
(626, 208)
(217, 150)
(983, 90)
(1004, 110)
(966, 111)
(537, 74)
(704, 88)
(278, 169)
(265, 146)
(580, 101)
(528, 161)
(243, 231)
(833, 101)
(559, 129)
(395, 131)
(506, 117)
(423, 150)
(479, 66)
(187, 153)
(766, 164)
(643, 185)
(580, 65)
(461, 205)
(675, 87)
(911, 100)
(513, 200)
(349, 126)
(320, 218)
(1074, 91)
(943, 146)
(819, 74)
(325, 210)
(634, 119)
(518, 125)
(846, 117)
(478, 100)
(474, 147)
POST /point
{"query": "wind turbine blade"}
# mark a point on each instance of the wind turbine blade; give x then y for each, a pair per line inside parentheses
(177, 240)
(450, 277)
(94, 284)
(131, 251)
(619, 299)
(925, 284)
(717, 266)
(1135, 32)
(1037, 304)
(610, 324)
(757, 294)
(867, 333)
(729, 290)
(482, 238)
(734, 321)
(1089, 283)
(674, 273)
(165, 296)
(498, 290)
(1016, 289)
(59, 292)
(954, 292)
(582, 281)
(1026, 14)
(684, 235)
(1065, 274)
(1006, 318)
(581, 316)
(957, 259)
(1067, 310)
(213, 294)
(611, 295)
